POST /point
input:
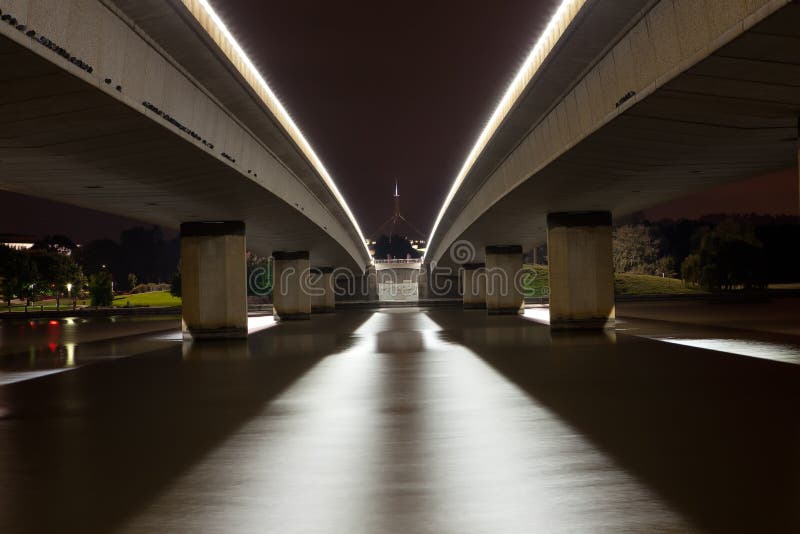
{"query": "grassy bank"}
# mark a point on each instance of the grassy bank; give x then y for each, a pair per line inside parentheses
(153, 299)
(643, 284)
(537, 284)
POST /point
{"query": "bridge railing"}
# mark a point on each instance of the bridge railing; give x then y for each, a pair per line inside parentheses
(401, 260)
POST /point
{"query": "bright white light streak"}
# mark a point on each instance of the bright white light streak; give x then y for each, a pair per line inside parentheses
(259, 323)
(781, 352)
(555, 28)
(275, 105)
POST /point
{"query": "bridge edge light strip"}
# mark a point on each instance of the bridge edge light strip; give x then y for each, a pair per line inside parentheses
(272, 102)
(556, 27)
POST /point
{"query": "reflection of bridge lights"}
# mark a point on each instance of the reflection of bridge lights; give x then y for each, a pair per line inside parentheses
(70, 354)
(53, 323)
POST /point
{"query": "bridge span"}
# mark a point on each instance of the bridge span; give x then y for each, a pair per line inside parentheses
(620, 106)
(150, 109)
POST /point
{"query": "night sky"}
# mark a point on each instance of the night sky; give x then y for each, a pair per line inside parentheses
(383, 91)
(389, 90)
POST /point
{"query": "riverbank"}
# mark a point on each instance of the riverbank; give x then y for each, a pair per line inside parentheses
(90, 312)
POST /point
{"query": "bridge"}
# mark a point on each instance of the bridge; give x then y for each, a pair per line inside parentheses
(620, 105)
(399, 419)
(150, 109)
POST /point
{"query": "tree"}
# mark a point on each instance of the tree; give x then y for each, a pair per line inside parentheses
(635, 250)
(729, 256)
(68, 275)
(394, 247)
(175, 288)
(101, 289)
(132, 280)
(56, 272)
(56, 243)
(692, 269)
(101, 254)
(18, 274)
(147, 254)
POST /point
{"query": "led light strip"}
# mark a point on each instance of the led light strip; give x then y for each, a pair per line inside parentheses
(563, 16)
(271, 101)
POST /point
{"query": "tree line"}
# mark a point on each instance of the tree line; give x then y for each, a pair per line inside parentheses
(57, 267)
(715, 252)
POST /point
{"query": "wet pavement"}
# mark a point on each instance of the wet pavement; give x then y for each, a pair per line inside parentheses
(404, 420)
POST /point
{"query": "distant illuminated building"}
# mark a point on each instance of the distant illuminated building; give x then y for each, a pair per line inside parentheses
(390, 227)
(17, 241)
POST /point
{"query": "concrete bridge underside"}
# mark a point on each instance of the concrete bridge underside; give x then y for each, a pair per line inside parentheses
(621, 106)
(732, 115)
(68, 135)
(151, 110)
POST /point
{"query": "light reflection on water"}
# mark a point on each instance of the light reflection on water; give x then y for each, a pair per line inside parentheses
(35, 348)
(404, 431)
(40, 347)
(770, 346)
(744, 347)
(405, 421)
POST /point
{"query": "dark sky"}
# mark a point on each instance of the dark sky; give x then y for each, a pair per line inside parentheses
(389, 90)
(775, 193)
(382, 90)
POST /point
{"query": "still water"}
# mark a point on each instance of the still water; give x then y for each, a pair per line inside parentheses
(32, 348)
(403, 420)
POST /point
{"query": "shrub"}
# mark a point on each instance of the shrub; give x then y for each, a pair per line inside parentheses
(175, 289)
(100, 289)
(150, 287)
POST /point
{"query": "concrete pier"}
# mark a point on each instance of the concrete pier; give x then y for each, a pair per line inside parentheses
(503, 268)
(214, 280)
(581, 270)
(291, 295)
(473, 283)
(323, 296)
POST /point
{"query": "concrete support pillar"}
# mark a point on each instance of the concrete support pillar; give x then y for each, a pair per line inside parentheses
(581, 270)
(214, 280)
(503, 272)
(423, 281)
(291, 295)
(473, 283)
(372, 283)
(323, 297)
